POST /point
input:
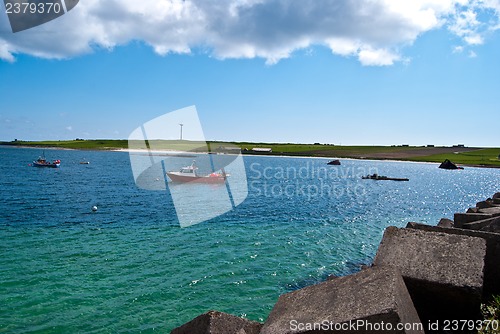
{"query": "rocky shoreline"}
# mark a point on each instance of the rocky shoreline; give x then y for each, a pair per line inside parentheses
(424, 279)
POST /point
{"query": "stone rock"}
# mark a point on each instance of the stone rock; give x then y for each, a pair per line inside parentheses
(214, 322)
(492, 259)
(497, 195)
(443, 272)
(372, 296)
(447, 164)
(463, 218)
(445, 222)
(496, 200)
(472, 210)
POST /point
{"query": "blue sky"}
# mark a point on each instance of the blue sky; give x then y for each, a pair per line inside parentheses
(422, 72)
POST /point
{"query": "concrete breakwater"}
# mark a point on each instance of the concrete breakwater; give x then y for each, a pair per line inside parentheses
(424, 279)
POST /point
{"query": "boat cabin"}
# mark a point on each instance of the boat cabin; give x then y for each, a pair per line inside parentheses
(187, 170)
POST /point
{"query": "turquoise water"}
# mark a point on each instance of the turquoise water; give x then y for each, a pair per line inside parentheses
(129, 267)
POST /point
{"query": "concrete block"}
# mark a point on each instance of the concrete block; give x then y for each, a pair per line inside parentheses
(491, 278)
(444, 222)
(443, 272)
(494, 227)
(472, 210)
(462, 218)
(372, 296)
(482, 205)
(494, 211)
(214, 322)
(496, 200)
(480, 224)
(497, 195)
(486, 204)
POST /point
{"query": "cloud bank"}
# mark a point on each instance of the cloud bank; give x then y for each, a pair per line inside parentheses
(373, 31)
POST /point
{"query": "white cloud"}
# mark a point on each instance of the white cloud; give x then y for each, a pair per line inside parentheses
(374, 31)
(69, 128)
(5, 53)
(343, 46)
(465, 25)
(472, 54)
(380, 57)
(458, 49)
(474, 39)
(493, 4)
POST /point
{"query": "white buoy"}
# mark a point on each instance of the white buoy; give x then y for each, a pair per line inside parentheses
(94, 208)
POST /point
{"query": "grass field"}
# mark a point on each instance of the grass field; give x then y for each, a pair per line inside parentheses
(310, 149)
(97, 144)
(487, 157)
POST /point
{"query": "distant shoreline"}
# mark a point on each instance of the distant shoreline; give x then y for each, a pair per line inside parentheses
(465, 156)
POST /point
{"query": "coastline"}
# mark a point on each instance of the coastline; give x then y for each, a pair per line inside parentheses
(389, 157)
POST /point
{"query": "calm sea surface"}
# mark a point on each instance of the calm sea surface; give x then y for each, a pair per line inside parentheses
(130, 267)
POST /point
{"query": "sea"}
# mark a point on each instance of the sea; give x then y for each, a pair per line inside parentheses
(128, 266)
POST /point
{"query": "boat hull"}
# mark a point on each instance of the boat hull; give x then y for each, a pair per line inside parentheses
(385, 178)
(47, 165)
(196, 179)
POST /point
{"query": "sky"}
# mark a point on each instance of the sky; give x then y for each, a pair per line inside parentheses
(343, 72)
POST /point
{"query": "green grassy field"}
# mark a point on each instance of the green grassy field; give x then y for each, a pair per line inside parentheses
(359, 152)
(473, 156)
(97, 144)
(466, 156)
(311, 149)
(486, 157)
(109, 144)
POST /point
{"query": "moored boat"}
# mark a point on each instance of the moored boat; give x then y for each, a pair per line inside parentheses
(42, 162)
(189, 174)
(383, 178)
